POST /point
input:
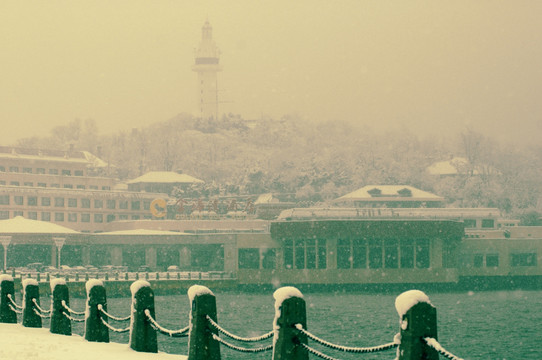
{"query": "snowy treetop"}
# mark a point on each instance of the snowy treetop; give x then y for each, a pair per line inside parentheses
(408, 299)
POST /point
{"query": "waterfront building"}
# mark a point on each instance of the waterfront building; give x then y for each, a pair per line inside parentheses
(391, 196)
(207, 66)
(162, 182)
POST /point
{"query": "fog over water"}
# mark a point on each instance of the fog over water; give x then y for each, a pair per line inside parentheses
(431, 67)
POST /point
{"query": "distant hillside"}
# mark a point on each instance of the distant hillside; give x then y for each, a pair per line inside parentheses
(317, 162)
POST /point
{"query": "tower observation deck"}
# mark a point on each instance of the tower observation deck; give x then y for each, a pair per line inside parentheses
(207, 66)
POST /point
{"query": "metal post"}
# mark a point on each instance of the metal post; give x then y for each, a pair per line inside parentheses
(59, 242)
(5, 240)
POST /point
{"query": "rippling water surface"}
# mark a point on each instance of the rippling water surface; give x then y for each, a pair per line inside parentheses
(481, 325)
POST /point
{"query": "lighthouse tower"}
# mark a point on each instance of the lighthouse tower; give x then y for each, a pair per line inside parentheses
(207, 67)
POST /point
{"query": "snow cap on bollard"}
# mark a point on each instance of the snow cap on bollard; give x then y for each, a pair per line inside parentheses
(418, 320)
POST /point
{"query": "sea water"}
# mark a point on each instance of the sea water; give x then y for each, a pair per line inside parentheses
(472, 325)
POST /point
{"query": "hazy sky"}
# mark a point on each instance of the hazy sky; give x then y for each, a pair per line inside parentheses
(424, 65)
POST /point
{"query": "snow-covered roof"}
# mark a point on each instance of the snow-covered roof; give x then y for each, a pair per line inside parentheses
(264, 199)
(389, 193)
(83, 157)
(454, 166)
(169, 177)
(140, 232)
(94, 160)
(20, 225)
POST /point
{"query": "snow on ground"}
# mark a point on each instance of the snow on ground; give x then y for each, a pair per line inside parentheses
(20, 343)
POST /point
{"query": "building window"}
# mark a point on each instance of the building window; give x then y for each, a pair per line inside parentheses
(406, 249)
(40, 171)
(107, 188)
(305, 254)
(98, 218)
(488, 223)
(93, 187)
(123, 217)
(14, 183)
(2, 182)
(14, 169)
(344, 251)
(66, 172)
(53, 171)
(72, 202)
(85, 203)
(391, 254)
(85, 218)
(78, 172)
(146, 205)
(55, 185)
(135, 217)
(33, 215)
(32, 200)
(27, 170)
(123, 204)
(42, 185)
(4, 215)
(68, 186)
(4, 199)
(422, 254)
(27, 183)
(59, 216)
(46, 216)
(2, 169)
(136, 205)
(375, 253)
(98, 204)
(523, 259)
(59, 202)
(18, 213)
(478, 260)
(249, 258)
(492, 260)
(18, 200)
(110, 204)
(72, 217)
(110, 218)
(269, 258)
(80, 187)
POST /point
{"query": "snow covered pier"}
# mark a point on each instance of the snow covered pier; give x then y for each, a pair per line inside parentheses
(417, 337)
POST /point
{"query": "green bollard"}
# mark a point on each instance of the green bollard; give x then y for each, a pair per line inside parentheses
(418, 320)
(142, 335)
(31, 291)
(201, 344)
(60, 324)
(290, 309)
(7, 315)
(95, 329)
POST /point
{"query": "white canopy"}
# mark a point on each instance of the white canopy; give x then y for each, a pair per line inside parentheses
(20, 225)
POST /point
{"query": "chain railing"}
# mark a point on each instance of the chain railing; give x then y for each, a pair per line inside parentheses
(436, 345)
(162, 330)
(116, 318)
(416, 340)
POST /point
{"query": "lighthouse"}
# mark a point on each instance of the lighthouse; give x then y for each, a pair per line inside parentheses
(207, 66)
